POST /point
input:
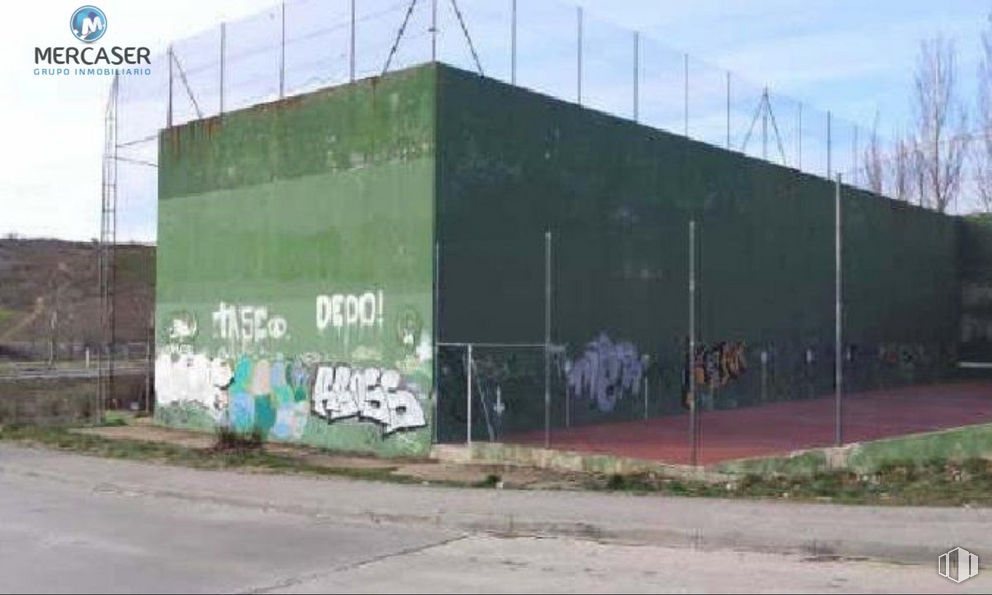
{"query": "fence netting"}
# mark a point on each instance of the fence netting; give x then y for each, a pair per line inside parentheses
(608, 377)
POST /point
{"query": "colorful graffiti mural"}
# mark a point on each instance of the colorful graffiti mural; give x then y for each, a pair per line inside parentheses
(278, 397)
(713, 367)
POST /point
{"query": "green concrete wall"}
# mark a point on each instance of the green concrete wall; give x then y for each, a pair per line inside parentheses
(976, 291)
(295, 268)
(617, 198)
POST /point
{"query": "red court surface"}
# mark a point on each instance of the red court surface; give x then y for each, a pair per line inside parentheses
(780, 428)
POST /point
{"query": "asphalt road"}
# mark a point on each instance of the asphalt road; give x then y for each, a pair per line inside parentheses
(79, 524)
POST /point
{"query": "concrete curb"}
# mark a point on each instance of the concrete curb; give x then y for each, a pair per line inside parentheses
(489, 453)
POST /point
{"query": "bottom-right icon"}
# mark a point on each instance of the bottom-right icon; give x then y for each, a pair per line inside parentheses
(958, 565)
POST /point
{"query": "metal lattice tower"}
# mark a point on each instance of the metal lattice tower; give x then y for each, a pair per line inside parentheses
(107, 254)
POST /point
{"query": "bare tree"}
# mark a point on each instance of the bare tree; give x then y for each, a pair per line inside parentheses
(872, 162)
(940, 124)
(901, 170)
(982, 148)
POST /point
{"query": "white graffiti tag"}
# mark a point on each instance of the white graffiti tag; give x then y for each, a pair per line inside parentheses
(341, 311)
(195, 379)
(247, 324)
(371, 394)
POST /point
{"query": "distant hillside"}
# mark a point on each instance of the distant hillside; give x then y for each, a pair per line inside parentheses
(39, 278)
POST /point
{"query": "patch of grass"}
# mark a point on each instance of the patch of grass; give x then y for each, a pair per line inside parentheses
(253, 459)
(5, 314)
(932, 483)
(231, 440)
(114, 419)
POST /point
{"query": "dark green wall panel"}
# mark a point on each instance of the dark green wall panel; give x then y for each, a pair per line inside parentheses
(618, 197)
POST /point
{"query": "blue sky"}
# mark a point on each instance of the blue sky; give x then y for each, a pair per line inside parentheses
(850, 57)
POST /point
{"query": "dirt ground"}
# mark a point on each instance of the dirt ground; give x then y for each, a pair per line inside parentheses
(142, 429)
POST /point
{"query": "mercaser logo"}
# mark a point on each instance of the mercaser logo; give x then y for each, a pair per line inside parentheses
(88, 23)
(958, 565)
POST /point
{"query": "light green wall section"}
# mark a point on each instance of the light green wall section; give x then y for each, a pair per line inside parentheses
(295, 269)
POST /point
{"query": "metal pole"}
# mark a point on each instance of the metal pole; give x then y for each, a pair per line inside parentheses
(830, 170)
(351, 56)
(468, 397)
(579, 57)
(513, 42)
(764, 125)
(854, 156)
(168, 113)
(645, 397)
(433, 30)
(685, 76)
(568, 405)
(693, 415)
(799, 160)
(113, 251)
(148, 364)
(282, 54)
(838, 303)
(547, 339)
(223, 43)
(637, 75)
(728, 110)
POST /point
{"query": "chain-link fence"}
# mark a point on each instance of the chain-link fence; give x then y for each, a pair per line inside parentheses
(762, 315)
(694, 381)
(543, 45)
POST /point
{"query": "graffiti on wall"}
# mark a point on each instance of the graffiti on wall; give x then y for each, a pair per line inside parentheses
(341, 311)
(717, 365)
(372, 394)
(713, 367)
(277, 396)
(605, 372)
(182, 328)
(247, 324)
(193, 379)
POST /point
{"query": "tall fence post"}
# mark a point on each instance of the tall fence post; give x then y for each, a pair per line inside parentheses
(282, 52)
(433, 30)
(838, 322)
(691, 358)
(830, 170)
(149, 348)
(579, 56)
(168, 112)
(854, 157)
(685, 77)
(351, 51)
(637, 75)
(468, 396)
(547, 339)
(799, 157)
(223, 44)
(513, 42)
(728, 110)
